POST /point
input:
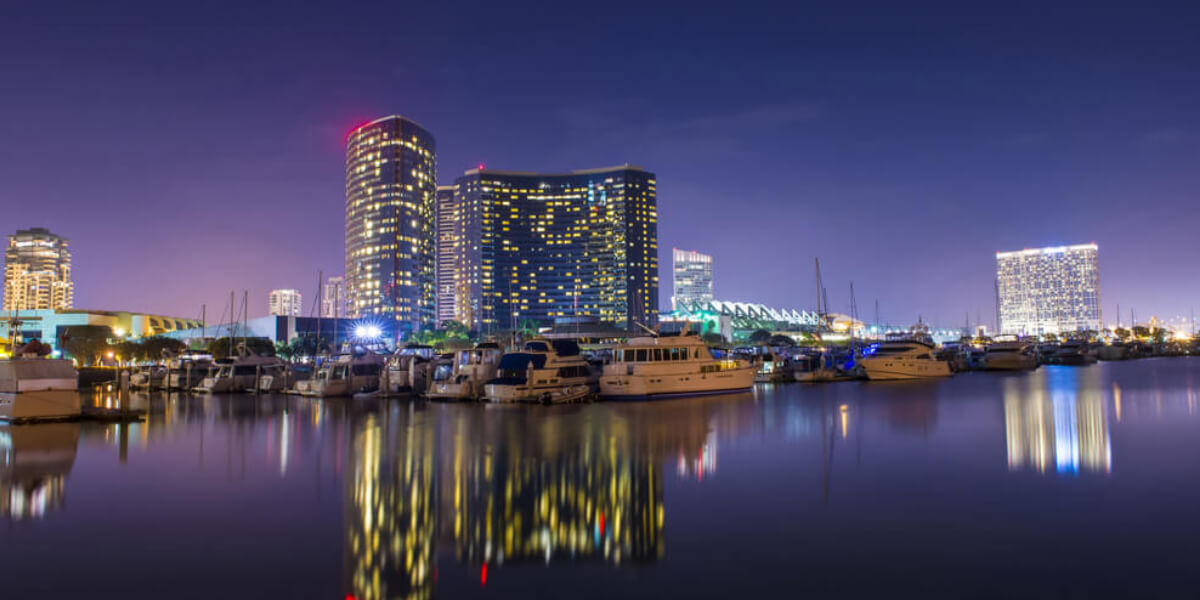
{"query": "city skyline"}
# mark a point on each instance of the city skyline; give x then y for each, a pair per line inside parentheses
(974, 139)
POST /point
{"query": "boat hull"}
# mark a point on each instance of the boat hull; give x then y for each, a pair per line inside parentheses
(631, 387)
(1009, 363)
(548, 394)
(903, 369)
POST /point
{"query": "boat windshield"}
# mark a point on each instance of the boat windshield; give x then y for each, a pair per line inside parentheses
(515, 365)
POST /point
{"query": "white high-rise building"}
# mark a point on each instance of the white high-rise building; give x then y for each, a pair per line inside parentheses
(333, 298)
(285, 303)
(37, 271)
(693, 277)
(1048, 290)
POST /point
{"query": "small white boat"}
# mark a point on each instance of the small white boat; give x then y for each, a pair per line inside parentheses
(773, 369)
(909, 357)
(470, 371)
(240, 374)
(1010, 356)
(344, 375)
(186, 371)
(658, 367)
(546, 371)
(812, 368)
(148, 377)
(410, 369)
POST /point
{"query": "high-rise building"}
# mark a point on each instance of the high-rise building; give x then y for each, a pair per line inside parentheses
(37, 271)
(447, 243)
(391, 184)
(333, 298)
(693, 277)
(539, 247)
(1048, 290)
(284, 303)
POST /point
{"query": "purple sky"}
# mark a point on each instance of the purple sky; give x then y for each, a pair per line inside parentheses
(187, 149)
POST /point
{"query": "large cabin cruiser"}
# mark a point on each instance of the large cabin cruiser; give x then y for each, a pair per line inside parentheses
(470, 371)
(657, 367)
(344, 375)
(546, 371)
(907, 357)
(240, 374)
(1010, 356)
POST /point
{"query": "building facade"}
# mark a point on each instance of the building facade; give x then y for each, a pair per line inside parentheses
(1048, 290)
(284, 303)
(391, 185)
(447, 249)
(692, 279)
(37, 271)
(533, 247)
(333, 298)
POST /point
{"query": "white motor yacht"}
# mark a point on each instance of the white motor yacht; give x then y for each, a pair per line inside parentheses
(657, 367)
(470, 371)
(1010, 356)
(240, 374)
(903, 358)
(546, 371)
(344, 375)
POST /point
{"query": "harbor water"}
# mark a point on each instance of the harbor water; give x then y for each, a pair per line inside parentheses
(1065, 482)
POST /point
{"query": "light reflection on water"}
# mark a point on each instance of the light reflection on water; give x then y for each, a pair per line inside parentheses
(398, 499)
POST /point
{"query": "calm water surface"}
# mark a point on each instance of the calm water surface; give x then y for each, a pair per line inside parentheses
(1067, 482)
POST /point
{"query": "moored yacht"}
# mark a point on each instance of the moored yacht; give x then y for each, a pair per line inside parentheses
(1010, 356)
(344, 375)
(655, 367)
(910, 357)
(410, 369)
(547, 371)
(470, 371)
(240, 374)
(186, 371)
(1074, 353)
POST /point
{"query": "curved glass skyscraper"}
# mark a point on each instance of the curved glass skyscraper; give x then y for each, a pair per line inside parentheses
(391, 186)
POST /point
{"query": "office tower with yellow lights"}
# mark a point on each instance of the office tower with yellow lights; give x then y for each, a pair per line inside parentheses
(37, 271)
(1048, 290)
(391, 189)
(537, 247)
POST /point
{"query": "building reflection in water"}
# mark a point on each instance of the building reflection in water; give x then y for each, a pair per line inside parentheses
(35, 461)
(506, 485)
(1060, 427)
(390, 509)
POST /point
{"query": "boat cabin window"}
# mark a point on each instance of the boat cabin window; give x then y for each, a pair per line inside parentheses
(367, 369)
(641, 355)
(537, 347)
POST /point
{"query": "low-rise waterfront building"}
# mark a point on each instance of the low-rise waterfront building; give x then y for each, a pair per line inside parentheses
(49, 325)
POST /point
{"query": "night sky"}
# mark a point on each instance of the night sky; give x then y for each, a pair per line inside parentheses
(187, 149)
